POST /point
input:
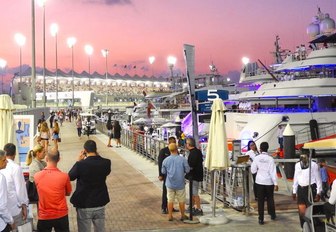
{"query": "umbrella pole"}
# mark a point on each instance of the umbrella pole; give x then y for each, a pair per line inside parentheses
(213, 192)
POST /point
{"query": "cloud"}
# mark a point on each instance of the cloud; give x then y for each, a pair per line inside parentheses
(110, 2)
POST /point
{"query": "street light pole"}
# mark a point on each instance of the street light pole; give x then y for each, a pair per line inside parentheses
(105, 54)
(33, 73)
(89, 50)
(71, 42)
(20, 40)
(171, 63)
(54, 32)
(42, 4)
(151, 61)
(3, 64)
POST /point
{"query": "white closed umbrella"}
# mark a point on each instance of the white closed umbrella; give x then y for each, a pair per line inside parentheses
(142, 121)
(169, 124)
(217, 156)
(6, 120)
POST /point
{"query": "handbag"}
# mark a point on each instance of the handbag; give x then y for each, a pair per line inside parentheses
(32, 191)
(27, 227)
(59, 139)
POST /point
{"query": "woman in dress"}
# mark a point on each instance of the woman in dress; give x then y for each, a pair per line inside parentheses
(117, 133)
(253, 152)
(55, 134)
(45, 135)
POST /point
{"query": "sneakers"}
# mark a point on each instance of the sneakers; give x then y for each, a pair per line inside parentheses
(164, 211)
(198, 212)
(188, 210)
(195, 212)
(184, 217)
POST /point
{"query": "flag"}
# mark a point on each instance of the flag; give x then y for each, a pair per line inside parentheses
(134, 66)
(125, 66)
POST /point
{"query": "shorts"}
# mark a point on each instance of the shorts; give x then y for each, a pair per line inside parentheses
(195, 187)
(302, 194)
(179, 194)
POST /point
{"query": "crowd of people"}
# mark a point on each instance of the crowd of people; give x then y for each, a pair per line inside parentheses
(310, 183)
(117, 90)
(47, 186)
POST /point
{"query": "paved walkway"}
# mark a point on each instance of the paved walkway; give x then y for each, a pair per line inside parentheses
(135, 194)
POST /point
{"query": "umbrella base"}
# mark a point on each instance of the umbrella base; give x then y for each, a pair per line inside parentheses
(214, 220)
(194, 221)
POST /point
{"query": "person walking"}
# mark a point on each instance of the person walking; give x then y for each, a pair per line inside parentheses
(56, 134)
(253, 152)
(325, 179)
(109, 127)
(6, 219)
(301, 185)
(175, 167)
(52, 186)
(195, 161)
(45, 135)
(117, 133)
(91, 194)
(164, 153)
(79, 126)
(51, 119)
(266, 180)
(16, 187)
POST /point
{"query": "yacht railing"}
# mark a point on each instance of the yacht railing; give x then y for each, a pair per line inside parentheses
(325, 130)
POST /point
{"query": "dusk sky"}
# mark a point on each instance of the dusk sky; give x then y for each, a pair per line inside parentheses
(223, 31)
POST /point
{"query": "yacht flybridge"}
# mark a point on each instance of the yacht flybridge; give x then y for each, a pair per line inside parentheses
(299, 89)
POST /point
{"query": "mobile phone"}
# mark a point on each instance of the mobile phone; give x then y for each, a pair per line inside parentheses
(84, 153)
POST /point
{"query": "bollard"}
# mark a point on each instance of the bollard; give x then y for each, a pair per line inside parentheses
(289, 150)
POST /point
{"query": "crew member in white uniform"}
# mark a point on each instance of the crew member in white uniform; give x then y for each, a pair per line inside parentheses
(253, 152)
(16, 187)
(266, 181)
(301, 184)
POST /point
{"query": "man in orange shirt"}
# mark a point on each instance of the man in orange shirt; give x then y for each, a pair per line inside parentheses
(52, 187)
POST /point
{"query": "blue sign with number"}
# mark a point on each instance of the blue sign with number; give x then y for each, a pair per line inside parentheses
(211, 94)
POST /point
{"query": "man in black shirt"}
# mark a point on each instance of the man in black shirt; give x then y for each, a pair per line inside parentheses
(91, 194)
(164, 153)
(195, 161)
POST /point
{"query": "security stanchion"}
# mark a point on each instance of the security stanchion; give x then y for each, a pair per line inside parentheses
(190, 220)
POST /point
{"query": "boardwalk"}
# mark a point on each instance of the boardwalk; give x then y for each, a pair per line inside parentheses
(136, 195)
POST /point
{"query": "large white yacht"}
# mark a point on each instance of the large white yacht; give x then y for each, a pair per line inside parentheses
(300, 90)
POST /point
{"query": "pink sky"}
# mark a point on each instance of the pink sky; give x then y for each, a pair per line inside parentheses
(223, 31)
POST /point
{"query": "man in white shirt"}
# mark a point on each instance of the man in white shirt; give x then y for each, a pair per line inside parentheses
(266, 181)
(16, 187)
(6, 220)
(301, 185)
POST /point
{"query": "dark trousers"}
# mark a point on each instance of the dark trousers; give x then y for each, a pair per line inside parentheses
(8, 228)
(325, 189)
(265, 191)
(254, 186)
(79, 132)
(164, 195)
(59, 224)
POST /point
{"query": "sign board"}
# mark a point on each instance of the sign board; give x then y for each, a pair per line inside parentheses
(211, 94)
(24, 133)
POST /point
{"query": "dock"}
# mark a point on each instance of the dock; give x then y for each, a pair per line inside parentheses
(135, 194)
